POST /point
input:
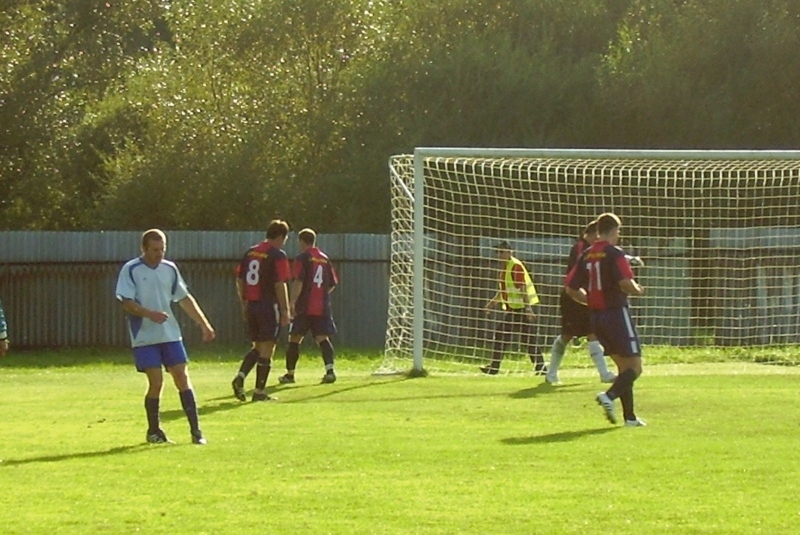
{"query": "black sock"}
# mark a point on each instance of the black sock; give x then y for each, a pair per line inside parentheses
(262, 372)
(327, 355)
(292, 356)
(621, 384)
(497, 357)
(151, 409)
(626, 398)
(189, 405)
(248, 362)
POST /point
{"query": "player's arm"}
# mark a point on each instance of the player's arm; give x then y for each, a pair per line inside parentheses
(627, 283)
(631, 287)
(334, 279)
(295, 290)
(492, 302)
(296, 286)
(634, 261)
(240, 295)
(190, 306)
(283, 276)
(135, 309)
(573, 286)
(282, 293)
(577, 294)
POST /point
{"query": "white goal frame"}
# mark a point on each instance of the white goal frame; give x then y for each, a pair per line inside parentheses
(417, 199)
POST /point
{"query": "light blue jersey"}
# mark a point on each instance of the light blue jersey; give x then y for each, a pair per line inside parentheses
(156, 289)
(3, 324)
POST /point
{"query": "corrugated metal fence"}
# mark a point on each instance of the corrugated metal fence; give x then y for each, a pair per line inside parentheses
(58, 287)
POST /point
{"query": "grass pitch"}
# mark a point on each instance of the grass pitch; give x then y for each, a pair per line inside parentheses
(444, 454)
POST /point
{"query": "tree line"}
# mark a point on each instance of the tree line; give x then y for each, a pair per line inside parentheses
(185, 114)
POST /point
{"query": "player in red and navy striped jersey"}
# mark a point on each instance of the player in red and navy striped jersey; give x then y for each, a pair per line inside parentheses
(261, 285)
(603, 280)
(575, 320)
(314, 278)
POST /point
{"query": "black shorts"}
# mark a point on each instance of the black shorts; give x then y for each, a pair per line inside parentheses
(318, 325)
(616, 332)
(575, 320)
(263, 321)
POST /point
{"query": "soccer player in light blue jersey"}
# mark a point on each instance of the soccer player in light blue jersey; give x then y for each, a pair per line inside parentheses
(147, 286)
(3, 332)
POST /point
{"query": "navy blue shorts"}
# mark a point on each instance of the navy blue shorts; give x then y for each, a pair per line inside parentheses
(167, 354)
(615, 331)
(318, 325)
(575, 320)
(263, 321)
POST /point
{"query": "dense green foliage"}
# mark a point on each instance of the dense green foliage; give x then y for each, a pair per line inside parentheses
(220, 114)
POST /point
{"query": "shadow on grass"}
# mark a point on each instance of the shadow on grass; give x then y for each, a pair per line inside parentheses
(542, 388)
(564, 436)
(133, 448)
(228, 402)
(340, 390)
(217, 404)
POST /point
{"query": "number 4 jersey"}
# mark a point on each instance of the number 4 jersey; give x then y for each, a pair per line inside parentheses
(261, 267)
(314, 269)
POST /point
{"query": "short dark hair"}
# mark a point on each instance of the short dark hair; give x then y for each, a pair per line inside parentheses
(277, 228)
(590, 228)
(307, 236)
(153, 234)
(607, 222)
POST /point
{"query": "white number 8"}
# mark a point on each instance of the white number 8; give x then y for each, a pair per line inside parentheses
(252, 275)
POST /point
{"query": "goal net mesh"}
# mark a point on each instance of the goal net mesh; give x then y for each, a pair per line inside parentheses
(719, 237)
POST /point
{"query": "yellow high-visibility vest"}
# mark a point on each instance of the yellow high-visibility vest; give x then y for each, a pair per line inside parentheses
(513, 296)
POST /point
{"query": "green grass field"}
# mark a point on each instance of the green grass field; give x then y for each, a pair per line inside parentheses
(444, 454)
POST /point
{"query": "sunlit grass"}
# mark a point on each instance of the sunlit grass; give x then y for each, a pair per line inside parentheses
(438, 455)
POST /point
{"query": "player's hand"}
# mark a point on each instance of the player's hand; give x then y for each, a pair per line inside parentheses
(157, 316)
(208, 333)
(636, 261)
(529, 313)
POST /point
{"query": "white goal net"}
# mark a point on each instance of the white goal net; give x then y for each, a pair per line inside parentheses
(719, 232)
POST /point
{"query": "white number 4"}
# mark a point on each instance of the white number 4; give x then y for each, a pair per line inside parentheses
(318, 276)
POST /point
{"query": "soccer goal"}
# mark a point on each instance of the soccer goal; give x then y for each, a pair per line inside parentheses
(719, 232)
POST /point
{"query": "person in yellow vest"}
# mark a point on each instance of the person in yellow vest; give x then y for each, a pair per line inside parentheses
(515, 297)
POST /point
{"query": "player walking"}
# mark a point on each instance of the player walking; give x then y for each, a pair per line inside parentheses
(603, 280)
(575, 319)
(313, 281)
(146, 287)
(261, 281)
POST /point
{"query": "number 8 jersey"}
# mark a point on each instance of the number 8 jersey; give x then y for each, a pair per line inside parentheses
(261, 267)
(314, 269)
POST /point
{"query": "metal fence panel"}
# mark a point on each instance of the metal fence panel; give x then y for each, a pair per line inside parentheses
(58, 287)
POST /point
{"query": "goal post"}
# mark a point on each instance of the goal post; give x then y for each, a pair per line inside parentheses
(718, 231)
